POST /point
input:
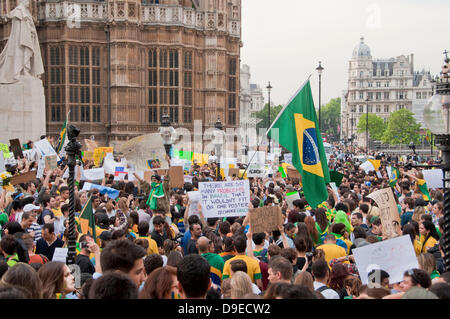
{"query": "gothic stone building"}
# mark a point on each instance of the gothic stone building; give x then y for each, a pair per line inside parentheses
(118, 65)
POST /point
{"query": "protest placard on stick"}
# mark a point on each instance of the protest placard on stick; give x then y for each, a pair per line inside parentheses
(23, 178)
(176, 174)
(16, 148)
(265, 219)
(51, 162)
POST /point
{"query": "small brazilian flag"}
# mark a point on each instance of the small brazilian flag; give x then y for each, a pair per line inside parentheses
(86, 223)
(393, 176)
(298, 132)
(63, 135)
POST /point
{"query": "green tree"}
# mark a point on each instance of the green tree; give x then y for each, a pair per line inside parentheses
(402, 128)
(264, 115)
(376, 127)
(330, 117)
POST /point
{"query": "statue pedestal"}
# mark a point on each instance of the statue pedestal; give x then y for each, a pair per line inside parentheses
(22, 110)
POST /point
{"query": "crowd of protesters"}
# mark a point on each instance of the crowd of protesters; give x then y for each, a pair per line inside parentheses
(164, 252)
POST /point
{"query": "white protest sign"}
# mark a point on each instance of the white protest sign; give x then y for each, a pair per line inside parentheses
(195, 198)
(291, 198)
(433, 178)
(335, 190)
(288, 158)
(188, 179)
(44, 148)
(41, 168)
(77, 170)
(60, 254)
(256, 170)
(225, 199)
(94, 174)
(395, 256)
(367, 166)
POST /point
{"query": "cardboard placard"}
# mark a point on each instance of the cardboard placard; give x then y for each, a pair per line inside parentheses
(293, 173)
(23, 178)
(162, 171)
(51, 162)
(389, 216)
(265, 219)
(16, 148)
(233, 171)
(176, 174)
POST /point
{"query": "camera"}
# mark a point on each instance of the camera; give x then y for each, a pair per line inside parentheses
(309, 256)
(84, 244)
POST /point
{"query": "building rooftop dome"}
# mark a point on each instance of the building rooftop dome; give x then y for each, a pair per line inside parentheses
(361, 50)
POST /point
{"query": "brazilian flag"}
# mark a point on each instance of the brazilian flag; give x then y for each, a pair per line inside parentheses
(298, 132)
(86, 222)
(393, 176)
(63, 135)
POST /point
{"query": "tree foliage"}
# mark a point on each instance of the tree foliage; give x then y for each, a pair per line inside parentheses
(402, 128)
(330, 117)
(264, 115)
(376, 126)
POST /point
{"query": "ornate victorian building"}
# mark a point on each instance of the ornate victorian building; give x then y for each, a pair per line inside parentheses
(380, 86)
(118, 65)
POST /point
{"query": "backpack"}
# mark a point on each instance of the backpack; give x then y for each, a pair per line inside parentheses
(323, 288)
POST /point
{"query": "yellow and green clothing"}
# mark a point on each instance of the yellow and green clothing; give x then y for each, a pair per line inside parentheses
(227, 255)
(253, 269)
(322, 234)
(216, 262)
(417, 246)
(430, 242)
(332, 251)
(11, 260)
(434, 274)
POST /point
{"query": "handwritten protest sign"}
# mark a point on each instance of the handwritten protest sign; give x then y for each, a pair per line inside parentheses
(265, 219)
(143, 148)
(225, 199)
(394, 256)
(100, 153)
(233, 171)
(51, 162)
(94, 174)
(44, 148)
(88, 156)
(60, 254)
(389, 215)
(256, 170)
(433, 178)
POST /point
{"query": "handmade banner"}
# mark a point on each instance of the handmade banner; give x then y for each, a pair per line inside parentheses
(265, 219)
(395, 256)
(176, 175)
(390, 218)
(225, 199)
(256, 170)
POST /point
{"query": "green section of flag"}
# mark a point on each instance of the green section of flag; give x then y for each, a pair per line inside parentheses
(183, 155)
(283, 173)
(86, 224)
(298, 132)
(336, 177)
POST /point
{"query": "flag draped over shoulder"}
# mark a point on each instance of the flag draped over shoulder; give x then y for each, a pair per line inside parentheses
(63, 135)
(86, 223)
(298, 132)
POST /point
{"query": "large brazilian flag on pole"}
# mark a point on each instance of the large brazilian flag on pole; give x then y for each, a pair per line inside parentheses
(298, 132)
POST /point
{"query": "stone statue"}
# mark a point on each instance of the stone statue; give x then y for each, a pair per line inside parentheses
(22, 54)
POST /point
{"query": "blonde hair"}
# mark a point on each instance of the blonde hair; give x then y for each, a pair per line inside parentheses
(427, 262)
(418, 211)
(226, 288)
(240, 285)
(122, 205)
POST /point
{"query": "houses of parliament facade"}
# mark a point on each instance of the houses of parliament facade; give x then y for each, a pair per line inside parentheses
(119, 65)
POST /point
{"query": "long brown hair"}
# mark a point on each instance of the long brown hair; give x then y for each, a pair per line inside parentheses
(52, 278)
(159, 283)
(25, 277)
(311, 224)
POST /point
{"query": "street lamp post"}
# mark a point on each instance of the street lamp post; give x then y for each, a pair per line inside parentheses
(218, 142)
(269, 87)
(166, 131)
(72, 149)
(319, 70)
(367, 125)
(437, 119)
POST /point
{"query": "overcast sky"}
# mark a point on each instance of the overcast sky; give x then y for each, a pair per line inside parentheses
(284, 40)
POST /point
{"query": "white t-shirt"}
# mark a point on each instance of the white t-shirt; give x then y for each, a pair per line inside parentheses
(327, 293)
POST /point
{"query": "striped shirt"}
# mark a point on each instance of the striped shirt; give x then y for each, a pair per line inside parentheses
(37, 231)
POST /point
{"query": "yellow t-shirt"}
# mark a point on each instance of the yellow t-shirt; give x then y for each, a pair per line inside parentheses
(431, 242)
(152, 246)
(253, 269)
(417, 247)
(332, 251)
(57, 212)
